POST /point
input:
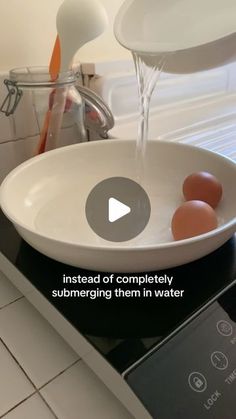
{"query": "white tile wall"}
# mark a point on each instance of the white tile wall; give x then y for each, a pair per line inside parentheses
(24, 123)
(14, 385)
(42, 353)
(7, 159)
(13, 153)
(24, 149)
(32, 408)
(8, 292)
(5, 130)
(41, 377)
(78, 393)
(16, 149)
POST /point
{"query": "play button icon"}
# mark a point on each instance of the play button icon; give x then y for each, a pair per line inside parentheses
(118, 209)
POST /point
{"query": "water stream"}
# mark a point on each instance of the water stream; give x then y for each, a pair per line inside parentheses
(148, 69)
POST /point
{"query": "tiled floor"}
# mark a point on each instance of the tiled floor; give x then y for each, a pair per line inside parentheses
(41, 376)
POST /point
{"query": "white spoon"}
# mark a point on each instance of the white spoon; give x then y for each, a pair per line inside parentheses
(78, 22)
(201, 34)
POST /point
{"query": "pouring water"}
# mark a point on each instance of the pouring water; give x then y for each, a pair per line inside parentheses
(148, 70)
(181, 36)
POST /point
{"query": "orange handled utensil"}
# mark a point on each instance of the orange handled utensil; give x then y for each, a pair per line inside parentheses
(55, 63)
(54, 69)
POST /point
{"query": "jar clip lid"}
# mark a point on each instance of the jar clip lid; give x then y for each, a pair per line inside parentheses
(12, 99)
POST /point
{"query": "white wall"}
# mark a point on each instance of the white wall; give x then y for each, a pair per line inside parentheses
(27, 34)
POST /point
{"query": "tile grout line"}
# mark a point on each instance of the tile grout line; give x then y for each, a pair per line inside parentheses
(18, 404)
(17, 362)
(59, 374)
(12, 302)
(27, 376)
(37, 390)
(28, 137)
(47, 404)
(9, 141)
(50, 381)
(27, 398)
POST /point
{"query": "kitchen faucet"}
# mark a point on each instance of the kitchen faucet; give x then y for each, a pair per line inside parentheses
(98, 118)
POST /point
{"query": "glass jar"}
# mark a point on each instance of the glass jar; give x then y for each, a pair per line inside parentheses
(49, 112)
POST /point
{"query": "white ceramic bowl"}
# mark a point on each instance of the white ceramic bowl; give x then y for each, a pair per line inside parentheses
(195, 35)
(45, 199)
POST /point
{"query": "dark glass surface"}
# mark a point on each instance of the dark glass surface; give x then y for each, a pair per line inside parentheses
(123, 330)
(194, 373)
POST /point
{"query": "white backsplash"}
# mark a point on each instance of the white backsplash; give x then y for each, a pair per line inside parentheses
(12, 152)
(189, 95)
(16, 149)
(118, 86)
(5, 131)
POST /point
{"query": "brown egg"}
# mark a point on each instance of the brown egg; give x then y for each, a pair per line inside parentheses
(203, 186)
(192, 219)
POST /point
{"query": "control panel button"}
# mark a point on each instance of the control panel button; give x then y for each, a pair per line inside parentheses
(219, 360)
(197, 382)
(224, 328)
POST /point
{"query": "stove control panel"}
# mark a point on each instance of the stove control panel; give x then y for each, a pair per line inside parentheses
(193, 375)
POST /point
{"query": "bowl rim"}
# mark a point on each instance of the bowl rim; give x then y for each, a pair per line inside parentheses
(163, 47)
(103, 246)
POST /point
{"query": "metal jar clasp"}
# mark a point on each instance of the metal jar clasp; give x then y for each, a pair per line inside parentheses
(12, 99)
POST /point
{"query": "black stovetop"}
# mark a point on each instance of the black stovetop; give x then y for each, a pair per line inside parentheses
(122, 326)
